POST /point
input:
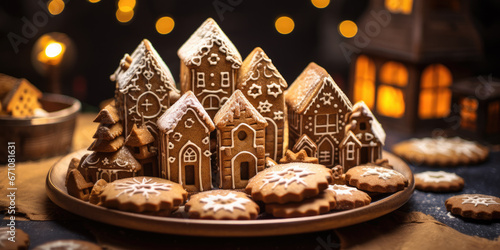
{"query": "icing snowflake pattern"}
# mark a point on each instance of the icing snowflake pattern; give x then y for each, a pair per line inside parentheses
(227, 202)
(437, 176)
(326, 99)
(255, 90)
(286, 177)
(264, 107)
(274, 90)
(382, 173)
(145, 187)
(476, 200)
(341, 189)
(61, 245)
(446, 146)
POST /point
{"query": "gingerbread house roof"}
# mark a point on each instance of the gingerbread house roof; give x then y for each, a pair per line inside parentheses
(249, 69)
(203, 39)
(234, 106)
(350, 137)
(308, 85)
(360, 109)
(108, 115)
(174, 114)
(108, 132)
(139, 136)
(143, 54)
(121, 159)
(304, 139)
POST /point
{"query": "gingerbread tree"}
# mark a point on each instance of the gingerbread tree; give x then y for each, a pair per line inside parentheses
(110, 160)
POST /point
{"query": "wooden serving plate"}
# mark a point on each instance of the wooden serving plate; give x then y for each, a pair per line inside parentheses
(56, 191)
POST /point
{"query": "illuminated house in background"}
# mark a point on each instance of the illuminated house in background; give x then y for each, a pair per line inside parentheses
(409, 59)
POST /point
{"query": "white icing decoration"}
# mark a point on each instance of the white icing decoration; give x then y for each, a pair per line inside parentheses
(256, 93)
(272, 86)
(170, 145)
(213, 59)
(476, 200)
(171, 159)
(188, 123)
(177, 136)
(326, 98)
(286, 176)
(207, 153)
(383, 173)
(68, 245)
(121, 163)
(264, 107)
(446, 146)
(206, 140)
(227, 202)
(145, 187)
(341, 189)
(87, 160)
(105, 161)
(437, 176)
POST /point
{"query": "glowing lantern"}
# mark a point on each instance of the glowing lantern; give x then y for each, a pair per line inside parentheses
(407, 55)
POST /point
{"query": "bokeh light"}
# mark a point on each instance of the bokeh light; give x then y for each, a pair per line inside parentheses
(165, 25)
(348, 28)
(55, 7)
(124, 17)
(94, 1)
(126, 5)
(284, 25)
(320, 4)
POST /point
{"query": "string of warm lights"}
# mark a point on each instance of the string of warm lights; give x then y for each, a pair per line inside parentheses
(165, 24)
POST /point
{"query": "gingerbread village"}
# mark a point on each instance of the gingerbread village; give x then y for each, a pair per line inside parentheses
(231, 119)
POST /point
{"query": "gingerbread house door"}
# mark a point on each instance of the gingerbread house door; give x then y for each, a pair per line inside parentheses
(326, 152)
(244, 167)
(271, 139)
(190, 159)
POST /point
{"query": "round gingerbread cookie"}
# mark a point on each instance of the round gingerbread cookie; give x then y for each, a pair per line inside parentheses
(222, 205)
(376, 179)
(143, 194)
(292, 182)
(439, 151)
(68, 244)
(474, 206)
(13, 239)
(320, 204)
(438, 181)
(348, 197)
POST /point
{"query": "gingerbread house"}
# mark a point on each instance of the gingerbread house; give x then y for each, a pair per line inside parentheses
(209, 66)
(368, 130)
(264, 87)
(18, 97)
(141, 144)
(317, 107)
(185, 144)
(145, 88)
(305, 143)
(350, 151)
(241, 141)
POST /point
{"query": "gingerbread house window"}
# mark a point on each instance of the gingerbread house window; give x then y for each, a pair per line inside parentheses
(224, 79)
(190, 155)
(211, 102)
(294, 119)
(493, 123)
(468, 108)
(390, 97)
(364, 80)
(350, 151)
(242, 135)
(399, 6)
(200, 79)
(326, 124)
(244, 170)
(435, 94)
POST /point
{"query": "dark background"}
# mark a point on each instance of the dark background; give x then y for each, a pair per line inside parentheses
(100, 40)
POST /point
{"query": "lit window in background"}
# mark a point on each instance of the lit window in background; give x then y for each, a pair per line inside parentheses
(320, 4)
(284, 25)
(348, 28)
(53, 49)
(55, 7)
(125, 11)
(165, 25)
